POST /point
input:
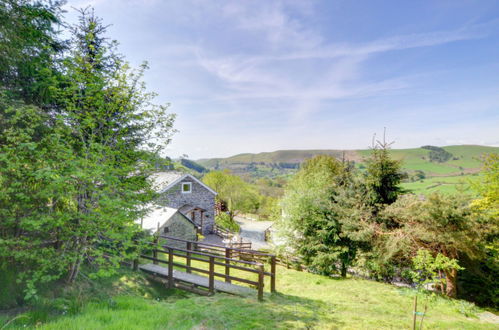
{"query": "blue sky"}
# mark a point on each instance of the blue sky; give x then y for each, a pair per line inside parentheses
(253, 76)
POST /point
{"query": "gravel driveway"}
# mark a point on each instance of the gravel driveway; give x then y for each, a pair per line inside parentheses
(254, 231)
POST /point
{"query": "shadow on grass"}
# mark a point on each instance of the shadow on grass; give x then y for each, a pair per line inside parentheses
(276, 311)
(57, 300)
(133, 294)
(310, 312)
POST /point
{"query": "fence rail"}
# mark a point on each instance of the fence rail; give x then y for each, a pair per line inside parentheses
(229, 254)
(222, 232)
(211, 261)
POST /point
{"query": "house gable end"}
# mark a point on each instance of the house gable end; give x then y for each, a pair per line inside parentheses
(183, 177)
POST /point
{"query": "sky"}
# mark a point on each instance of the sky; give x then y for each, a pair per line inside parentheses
(253, 76)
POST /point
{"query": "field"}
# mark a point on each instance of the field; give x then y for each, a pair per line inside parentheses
(446, 185)
(449, 176)
(304, 300)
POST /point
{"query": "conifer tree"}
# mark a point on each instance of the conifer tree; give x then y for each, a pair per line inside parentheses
(74, 170)
(317, 209)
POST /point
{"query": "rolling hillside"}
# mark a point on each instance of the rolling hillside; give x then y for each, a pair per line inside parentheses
(449, 173)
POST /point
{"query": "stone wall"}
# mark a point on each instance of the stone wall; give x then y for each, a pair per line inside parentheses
(178, 226)
(199, 197)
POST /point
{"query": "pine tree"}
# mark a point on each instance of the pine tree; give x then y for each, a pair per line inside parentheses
(74, 170)
(383, 176)
(316, 211)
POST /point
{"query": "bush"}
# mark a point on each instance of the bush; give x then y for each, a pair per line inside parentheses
(11, 293)
(225, 221)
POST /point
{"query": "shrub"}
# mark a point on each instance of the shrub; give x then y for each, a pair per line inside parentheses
(225, 221)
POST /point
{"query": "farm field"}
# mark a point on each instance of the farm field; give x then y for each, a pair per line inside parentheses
(446, 185)
(303, 300)
(449, 176)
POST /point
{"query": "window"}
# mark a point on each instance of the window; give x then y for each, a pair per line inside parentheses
(186, 187)
(166, 230)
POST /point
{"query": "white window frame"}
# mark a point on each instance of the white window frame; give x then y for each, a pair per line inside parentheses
(182, 187)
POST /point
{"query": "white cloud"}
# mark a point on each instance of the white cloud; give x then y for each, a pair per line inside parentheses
(230, 68)
(271, 20)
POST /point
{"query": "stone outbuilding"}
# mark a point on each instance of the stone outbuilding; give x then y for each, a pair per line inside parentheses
(188, 196)
(169, 222)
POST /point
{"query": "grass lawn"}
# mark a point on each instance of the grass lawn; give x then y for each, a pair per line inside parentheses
(304, 301)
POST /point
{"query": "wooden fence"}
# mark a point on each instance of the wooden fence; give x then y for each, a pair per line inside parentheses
(233, 253)
(230, 252)
(224, 233)
(210, 260)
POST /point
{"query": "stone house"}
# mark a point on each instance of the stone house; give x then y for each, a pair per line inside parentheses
(188, 197)
(170, 222)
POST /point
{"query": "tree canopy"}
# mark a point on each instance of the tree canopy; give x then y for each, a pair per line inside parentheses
(80, 136)
(314, 212)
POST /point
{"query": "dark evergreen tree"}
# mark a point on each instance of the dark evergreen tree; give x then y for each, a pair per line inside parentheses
(318, 210)
(74, 179)
(383, 176)
(30, 47)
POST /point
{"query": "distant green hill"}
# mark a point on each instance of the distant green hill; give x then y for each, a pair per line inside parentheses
(430, 168)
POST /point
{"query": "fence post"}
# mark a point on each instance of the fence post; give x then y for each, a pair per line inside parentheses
(260, 282)
(170, 267)
(211, 285)
(135, 265)
(272, 272)
(227, 265)
(188, 257)
(155, 250)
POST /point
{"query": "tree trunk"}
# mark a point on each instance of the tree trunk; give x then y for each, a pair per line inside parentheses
(450, 274)
(79, 242)
(73, 273)
(343, 269)
(441, 284)
(450, 285)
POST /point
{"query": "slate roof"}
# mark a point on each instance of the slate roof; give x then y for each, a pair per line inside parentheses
(159, 214)
(163, 181)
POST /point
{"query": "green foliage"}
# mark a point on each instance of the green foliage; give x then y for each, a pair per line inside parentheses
(12, 293)
(239, 195)
(193, 165)
(383, 176)
(34, 196)
(480, 276)
(316, 207)
(488, 188)
(428, 269)
(327, 213)
(438, 154)
(419, 175)
(448, 177)
(28, 49)
(440, 224)
(225, 221)
(73, 172)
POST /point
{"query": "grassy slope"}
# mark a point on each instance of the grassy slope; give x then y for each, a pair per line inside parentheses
(448, 185)
(438, 174)
(286, 156)
(304, 301)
